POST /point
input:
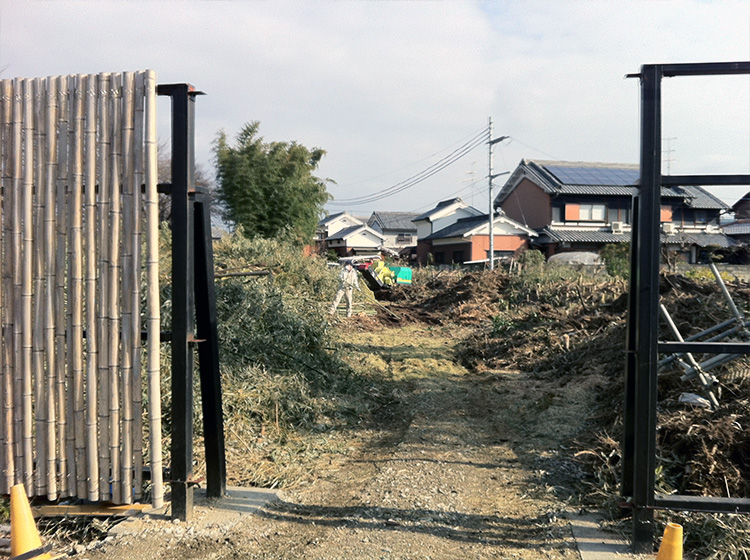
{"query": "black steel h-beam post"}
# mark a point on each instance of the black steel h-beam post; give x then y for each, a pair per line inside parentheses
(183, 111)
(193, 314)
(646, 292)
(208, 349)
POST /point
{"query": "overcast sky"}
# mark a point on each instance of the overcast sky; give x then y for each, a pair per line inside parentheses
(388, 89)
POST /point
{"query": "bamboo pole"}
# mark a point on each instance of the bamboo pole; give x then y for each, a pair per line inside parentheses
(114, 289)
(136, 282)
(102, 301)
(23, 281)
(13, 268)
(21, 101)
(50, 254)
(77, 457)
(38, 177)
(92, 352)
(5, 201)
(152, 271)
(128, 86)
(60, 133)
(9, 204)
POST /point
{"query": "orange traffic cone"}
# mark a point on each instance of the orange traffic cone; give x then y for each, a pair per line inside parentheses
(24, 538)
(671, 543)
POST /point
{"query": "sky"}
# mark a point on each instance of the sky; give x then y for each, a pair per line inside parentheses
(391, 89)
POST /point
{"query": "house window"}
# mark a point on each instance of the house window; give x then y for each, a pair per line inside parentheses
(592, 212)
(403, 238)
(701, 217)
(556, 214)
(458, 257)
(619, 215)
(439, 257)
(588, 212)
(666, 214)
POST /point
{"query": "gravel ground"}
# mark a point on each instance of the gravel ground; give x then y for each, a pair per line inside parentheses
(468, 467)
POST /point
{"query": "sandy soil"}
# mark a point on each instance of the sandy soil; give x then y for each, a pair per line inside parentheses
(465, 465)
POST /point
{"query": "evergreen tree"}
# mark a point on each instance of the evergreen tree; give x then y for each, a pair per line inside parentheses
(269, 188)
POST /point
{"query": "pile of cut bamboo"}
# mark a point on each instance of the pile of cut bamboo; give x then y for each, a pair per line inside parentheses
(76, 152)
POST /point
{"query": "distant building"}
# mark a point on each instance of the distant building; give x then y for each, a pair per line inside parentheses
(581, 206)
(355, 240)
(454, 233)
(397, 228)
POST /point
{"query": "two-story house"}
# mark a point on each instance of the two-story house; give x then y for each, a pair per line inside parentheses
(581, 206)
(397, 228)
(455, 233)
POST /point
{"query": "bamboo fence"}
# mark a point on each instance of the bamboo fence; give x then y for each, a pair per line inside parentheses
(78, 217)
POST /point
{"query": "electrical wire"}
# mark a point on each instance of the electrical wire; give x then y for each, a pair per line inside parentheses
(477, 140)
(484, 129)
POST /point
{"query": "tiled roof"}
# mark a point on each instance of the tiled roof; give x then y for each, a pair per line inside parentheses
(465, 225)
(583, 236)
(402, 221)
(344, 233)
(333, 217)
(439, 206)
(737, 228)
(458, 228)
(700, 239)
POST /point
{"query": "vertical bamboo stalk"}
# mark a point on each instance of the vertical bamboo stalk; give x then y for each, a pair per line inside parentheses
(23, 279)
(5, 198)
(154, 316)
(60, 321)
(114, 289)
(77, 457)
(136, 281)
(128, 86)
(21, 101)
(50, 273)
(92, 352)
(102, 301)
(6, 321)
(39, 179)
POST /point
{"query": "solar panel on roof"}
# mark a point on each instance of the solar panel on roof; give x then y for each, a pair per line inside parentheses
(594, 175)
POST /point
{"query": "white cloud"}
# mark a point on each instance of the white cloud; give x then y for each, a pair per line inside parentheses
(381, 85)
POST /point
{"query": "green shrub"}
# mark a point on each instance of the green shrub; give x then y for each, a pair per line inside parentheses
(616, 258)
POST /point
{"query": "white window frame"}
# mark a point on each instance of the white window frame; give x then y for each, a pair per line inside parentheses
(592, 212)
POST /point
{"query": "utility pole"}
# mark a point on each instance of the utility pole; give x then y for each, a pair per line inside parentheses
(491, 142)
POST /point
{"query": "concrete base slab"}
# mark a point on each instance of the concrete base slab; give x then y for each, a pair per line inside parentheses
(208, 514)
(595, 544)
(236, 501)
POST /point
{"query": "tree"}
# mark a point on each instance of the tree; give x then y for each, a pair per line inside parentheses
(269, 188)
(201, 177)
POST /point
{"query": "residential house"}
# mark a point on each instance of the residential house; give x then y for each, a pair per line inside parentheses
(580, 206)
(468, 239)
(446, 213)
(397, 228)
(335, 222)
(739, 229)
(355, 240)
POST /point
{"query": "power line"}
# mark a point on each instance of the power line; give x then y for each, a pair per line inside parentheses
(472, 135)
(414, 180)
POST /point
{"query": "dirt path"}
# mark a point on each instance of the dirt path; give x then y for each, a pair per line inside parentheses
(466, 466)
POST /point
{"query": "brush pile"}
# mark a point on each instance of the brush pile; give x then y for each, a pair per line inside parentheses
(560, 330)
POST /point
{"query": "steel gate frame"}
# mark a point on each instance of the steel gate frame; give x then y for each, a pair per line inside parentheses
(642, 344)
(194, 322)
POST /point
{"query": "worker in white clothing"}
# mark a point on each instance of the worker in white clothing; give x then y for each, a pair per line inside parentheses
(347, 282)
